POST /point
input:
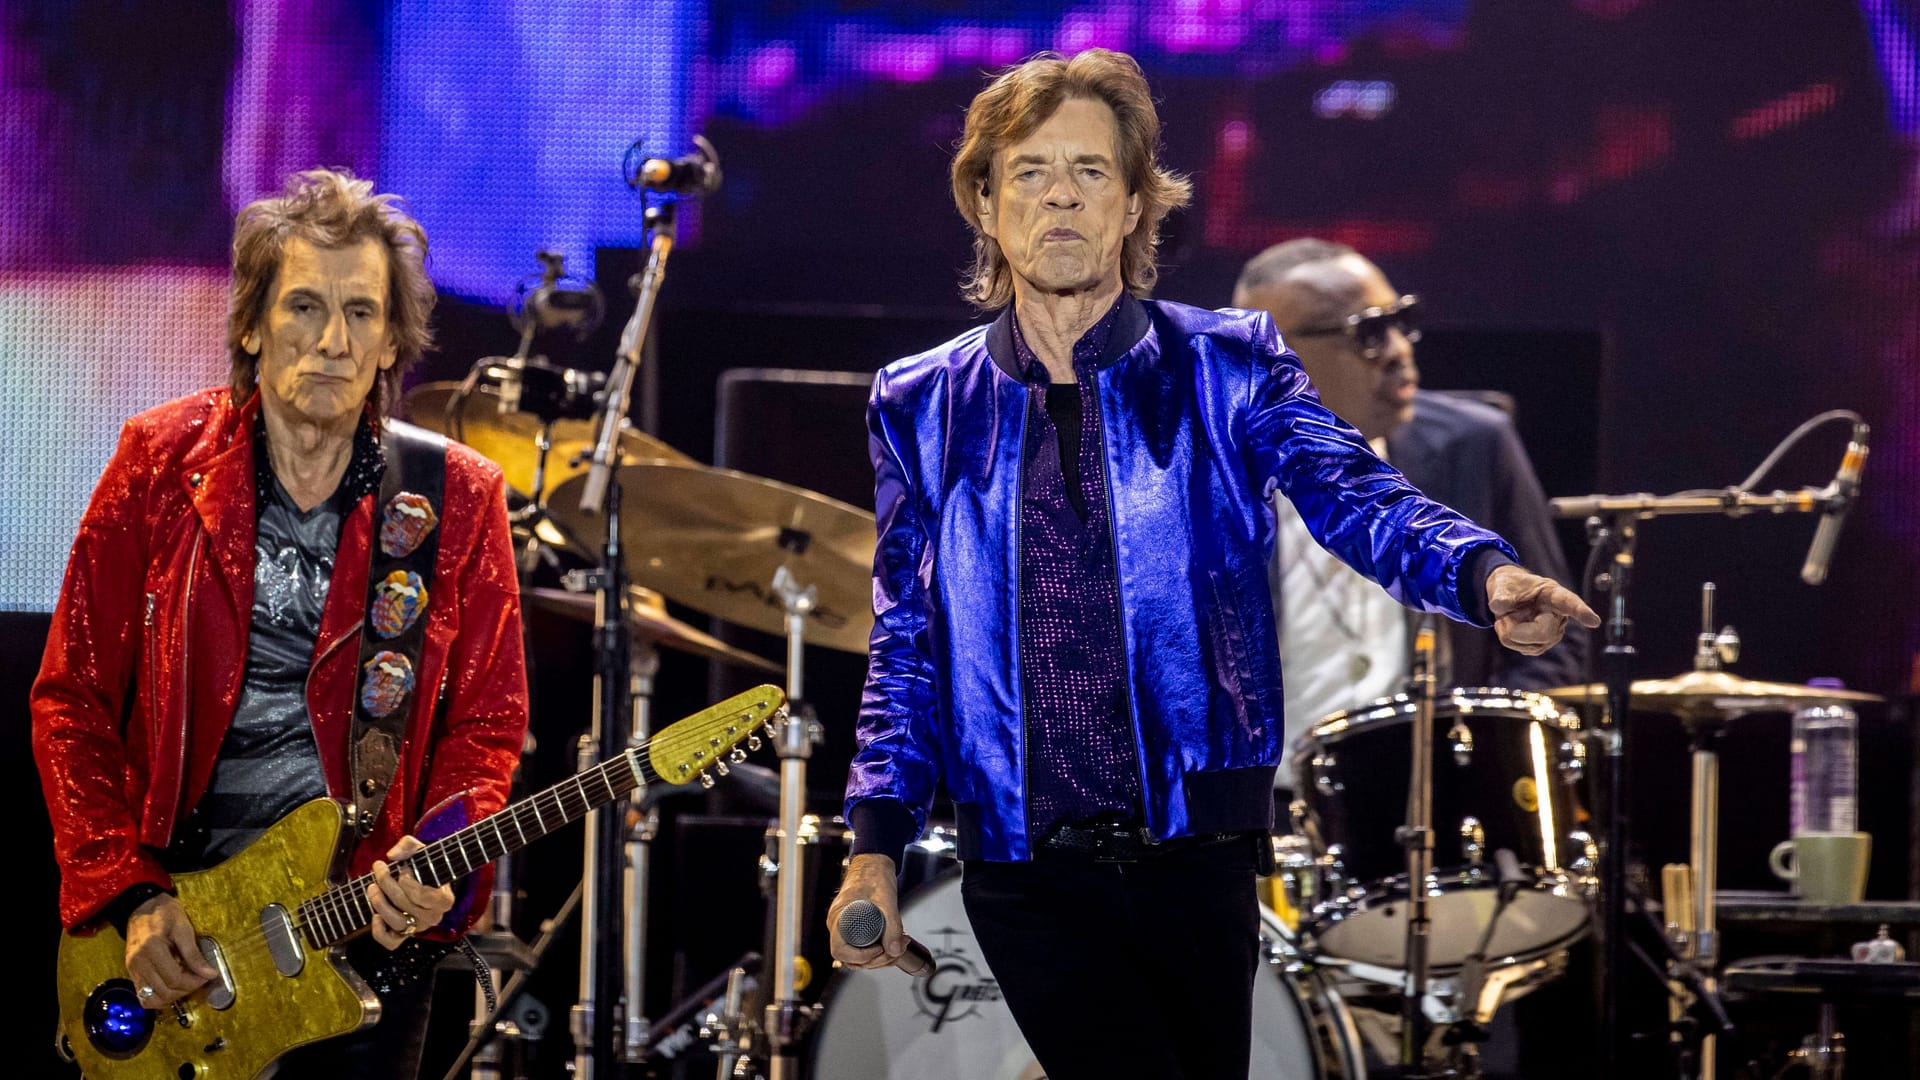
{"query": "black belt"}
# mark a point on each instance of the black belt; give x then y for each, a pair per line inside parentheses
(1115, 844)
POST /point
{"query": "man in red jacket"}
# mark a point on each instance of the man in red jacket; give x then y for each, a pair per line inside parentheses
(204, 665)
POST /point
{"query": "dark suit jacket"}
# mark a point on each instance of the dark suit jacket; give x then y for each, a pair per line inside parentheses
(1467, 455)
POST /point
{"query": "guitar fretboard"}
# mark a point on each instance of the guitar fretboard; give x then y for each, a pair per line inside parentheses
(344, 910)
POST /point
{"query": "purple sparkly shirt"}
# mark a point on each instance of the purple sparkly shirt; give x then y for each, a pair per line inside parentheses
(1081, 762)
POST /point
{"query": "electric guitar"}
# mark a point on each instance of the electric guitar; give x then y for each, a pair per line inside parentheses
(274, 924)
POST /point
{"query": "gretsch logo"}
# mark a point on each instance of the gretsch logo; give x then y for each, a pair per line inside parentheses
(956, 989)
(822, 614)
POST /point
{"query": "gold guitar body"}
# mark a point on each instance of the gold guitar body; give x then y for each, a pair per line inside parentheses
(270, 1012)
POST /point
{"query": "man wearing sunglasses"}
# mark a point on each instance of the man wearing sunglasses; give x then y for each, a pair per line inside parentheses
(1343, 641)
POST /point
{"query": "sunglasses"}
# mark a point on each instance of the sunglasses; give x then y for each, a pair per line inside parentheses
(1369, 328)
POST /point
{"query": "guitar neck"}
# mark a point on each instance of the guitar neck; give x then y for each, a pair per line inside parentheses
(343, 911)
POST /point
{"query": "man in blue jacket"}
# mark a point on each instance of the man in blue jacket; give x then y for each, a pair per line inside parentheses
(1072, 626)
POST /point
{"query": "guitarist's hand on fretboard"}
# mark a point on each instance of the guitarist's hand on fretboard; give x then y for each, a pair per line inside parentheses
(163, 958)
(402, 904)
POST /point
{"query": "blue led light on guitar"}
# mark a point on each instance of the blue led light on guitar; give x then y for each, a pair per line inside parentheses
(116, 1023)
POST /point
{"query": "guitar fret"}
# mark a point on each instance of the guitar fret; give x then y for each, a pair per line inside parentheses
(328, 922)
(498, 836)
(518, 829)
(537, 819)
(606, 777)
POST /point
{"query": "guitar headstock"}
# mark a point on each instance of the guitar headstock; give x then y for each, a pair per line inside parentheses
(703, 744)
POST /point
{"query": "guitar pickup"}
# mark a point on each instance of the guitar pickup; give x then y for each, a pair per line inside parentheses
(220, 989)
(283, 941)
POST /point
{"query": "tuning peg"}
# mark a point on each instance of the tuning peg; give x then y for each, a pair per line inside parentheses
(706, 780)
(722, 768)
(772, 732)
(753, 741)
(738, 755)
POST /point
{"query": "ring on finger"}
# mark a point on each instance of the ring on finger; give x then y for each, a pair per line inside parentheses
(146, 992)
(412, 926)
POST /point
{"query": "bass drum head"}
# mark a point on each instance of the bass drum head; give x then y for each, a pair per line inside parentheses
(954, 1025)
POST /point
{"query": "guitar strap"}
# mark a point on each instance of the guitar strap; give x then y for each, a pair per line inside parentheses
(404, 547)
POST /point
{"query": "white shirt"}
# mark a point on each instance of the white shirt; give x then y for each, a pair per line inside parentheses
(1343, 640)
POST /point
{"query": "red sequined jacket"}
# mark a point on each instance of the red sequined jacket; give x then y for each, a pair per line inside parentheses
(144, 664)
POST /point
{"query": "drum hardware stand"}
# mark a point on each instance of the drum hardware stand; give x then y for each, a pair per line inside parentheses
(642, 824)
(1417, 837)
(487, 1028)
(731, 1032)
(786, 1016)
(1702, 949)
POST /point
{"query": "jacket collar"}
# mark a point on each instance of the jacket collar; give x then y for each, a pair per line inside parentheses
(1130, 328)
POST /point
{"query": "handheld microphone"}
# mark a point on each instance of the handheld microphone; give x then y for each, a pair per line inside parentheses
(691, 174)
(1840, 496)
(862, 925)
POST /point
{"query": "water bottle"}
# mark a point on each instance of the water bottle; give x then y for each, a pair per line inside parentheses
(1825, 769)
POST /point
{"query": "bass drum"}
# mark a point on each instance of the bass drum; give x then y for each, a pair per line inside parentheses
(953, 1025)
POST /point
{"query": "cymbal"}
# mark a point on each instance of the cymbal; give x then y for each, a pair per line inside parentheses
(509, 439)
(1711, 692)
(712, 539)
(648, 617)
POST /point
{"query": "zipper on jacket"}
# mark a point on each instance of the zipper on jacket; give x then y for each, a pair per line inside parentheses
(186, 667)
(1092, 385)
(1019, 571)
(306, 685)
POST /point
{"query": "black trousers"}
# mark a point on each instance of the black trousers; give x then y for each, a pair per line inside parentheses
(1118, 970)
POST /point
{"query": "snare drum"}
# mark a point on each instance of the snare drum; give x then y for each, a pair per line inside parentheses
(1504, 769)
(953, 1024)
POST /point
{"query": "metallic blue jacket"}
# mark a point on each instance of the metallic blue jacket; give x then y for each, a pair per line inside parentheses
(1203, 414)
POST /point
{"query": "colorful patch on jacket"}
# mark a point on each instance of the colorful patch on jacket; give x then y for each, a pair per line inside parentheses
(386, 679)
(397, 601)
(406, 521)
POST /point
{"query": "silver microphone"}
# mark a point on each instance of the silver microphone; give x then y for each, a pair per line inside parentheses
(862, 926)
(1839, 496)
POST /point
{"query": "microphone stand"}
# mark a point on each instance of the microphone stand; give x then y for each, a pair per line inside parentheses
(1417, 837)
(596, 1018)
(1612, 526)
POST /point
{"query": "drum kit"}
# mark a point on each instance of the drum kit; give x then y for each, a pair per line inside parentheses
(1512, 869)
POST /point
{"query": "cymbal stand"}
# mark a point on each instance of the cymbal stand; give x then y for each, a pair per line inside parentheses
(1417, 837)
(785, 1015)
(1701, 948)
